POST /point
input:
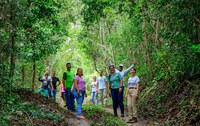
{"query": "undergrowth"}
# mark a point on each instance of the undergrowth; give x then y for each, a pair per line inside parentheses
(99, 117)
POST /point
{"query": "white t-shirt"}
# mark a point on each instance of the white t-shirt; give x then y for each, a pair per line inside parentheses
(93, 86)
(132, 81)
(102, 82)
(48, 79)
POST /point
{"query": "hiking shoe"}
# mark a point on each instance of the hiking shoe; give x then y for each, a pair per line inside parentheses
(80, 117)
(122, 115)
(115, 115)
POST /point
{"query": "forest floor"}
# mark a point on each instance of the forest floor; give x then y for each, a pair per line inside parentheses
(126, 118)
(29, 108)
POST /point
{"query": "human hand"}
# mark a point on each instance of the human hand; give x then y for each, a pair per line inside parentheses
(107, 58)
(109, 94)
(78, 92)
(126, 96)
(120, 89)
(134, 62)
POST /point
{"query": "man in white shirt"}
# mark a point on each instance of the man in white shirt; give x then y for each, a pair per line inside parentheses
(101, 84)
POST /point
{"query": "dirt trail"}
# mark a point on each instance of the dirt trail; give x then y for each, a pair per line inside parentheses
(74, 121)
(139, 123)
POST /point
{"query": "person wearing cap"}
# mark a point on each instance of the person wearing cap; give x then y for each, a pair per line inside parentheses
(46, 81)
(122, 73)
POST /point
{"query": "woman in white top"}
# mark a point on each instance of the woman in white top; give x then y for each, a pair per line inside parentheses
(132, 93)
(94, 91)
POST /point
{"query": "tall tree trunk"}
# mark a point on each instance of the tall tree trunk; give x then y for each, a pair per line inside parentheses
(157, 28)
(146, 42)
(12, 57)
(113, 55)
(33, 75)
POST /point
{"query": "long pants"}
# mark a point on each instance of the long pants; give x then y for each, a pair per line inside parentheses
(131, 102)
(79, 100)
(69, 99)
(54, 93)
(121, 98)
(45, 91)
(102, 93)
(93, 96)
(116, 100)
(50, 93)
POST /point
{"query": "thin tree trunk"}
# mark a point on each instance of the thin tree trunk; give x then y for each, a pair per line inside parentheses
(157, 28)
(33, 75)
(12, 57)
(23, 74)
(146, 42)
(113, 55)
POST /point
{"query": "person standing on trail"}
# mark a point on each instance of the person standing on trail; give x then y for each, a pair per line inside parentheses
(54, 82)
(132, 93)
(68, 82)
(94, 91)
(101, 86)
(79, 91)
(115, 82)
(46, 81)
(122, 73)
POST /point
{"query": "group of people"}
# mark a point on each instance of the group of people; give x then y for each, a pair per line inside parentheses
(98, 88)
(49, 85)
(74, 87)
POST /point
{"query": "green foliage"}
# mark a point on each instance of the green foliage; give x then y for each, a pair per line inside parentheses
(100, 117)
(15, 111)
(164, 38)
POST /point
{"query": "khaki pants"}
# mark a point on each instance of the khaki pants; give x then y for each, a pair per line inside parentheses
(131, 103)
(102, 93)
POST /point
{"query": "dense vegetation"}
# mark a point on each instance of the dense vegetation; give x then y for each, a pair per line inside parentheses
(163, 35)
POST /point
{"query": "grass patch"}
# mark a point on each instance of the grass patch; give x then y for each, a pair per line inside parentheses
(99, 117)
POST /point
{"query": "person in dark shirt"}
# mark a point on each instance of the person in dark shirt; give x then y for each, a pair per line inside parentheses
(54, 82)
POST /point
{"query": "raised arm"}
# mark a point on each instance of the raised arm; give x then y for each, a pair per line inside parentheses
(127, 70)
(39, 79)
(109, 64)
(132, 66)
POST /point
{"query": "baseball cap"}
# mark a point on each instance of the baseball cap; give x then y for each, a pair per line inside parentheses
(120, 65)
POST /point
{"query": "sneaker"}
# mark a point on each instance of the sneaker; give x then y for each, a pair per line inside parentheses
(115, 115)
(122, 115)
(81, 117)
